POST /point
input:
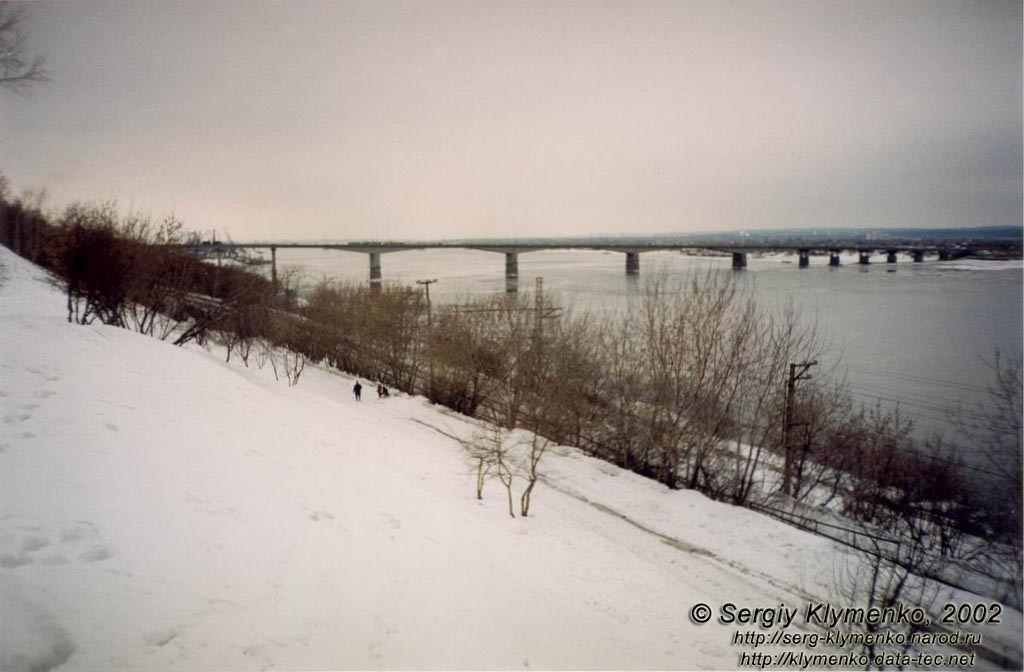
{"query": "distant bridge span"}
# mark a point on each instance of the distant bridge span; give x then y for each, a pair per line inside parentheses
(632, 249)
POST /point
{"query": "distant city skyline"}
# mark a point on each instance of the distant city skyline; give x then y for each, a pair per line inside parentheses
(431, 120)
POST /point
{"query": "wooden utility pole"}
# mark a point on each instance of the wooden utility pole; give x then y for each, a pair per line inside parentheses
(538, 318)
(430, 323)
(797, 371)
(426, 286)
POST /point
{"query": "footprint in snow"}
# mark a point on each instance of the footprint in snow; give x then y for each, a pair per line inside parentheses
(95, 554)
(32, 543)
(35, 544)
(160, 638)
(50, 645)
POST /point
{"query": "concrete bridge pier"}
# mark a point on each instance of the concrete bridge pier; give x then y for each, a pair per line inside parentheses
(918, 256)
(632, 263)
(805, 258)
(374, 269)
(864, 258)
(512, 265)
(833, 257)
(890, 257)
(511, 272)
(739, 261)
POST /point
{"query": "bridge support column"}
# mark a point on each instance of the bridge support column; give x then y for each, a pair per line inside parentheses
(739, 261)
(374, 269)
(632, 263)
(511, 265)
(805, 258)
(918, 256)
(273, 265)
(833, 258)
(944, 255)
(890, 257)
(864, 258)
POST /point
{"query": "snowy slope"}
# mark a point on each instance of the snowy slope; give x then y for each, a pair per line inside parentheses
(160, 509)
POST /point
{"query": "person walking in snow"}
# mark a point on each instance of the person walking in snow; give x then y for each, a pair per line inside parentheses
(358, 389)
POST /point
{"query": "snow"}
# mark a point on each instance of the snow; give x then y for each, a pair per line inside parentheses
(161, 509)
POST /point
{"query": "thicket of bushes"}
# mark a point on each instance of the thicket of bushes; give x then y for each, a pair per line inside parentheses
(688, 387)
(127, 272)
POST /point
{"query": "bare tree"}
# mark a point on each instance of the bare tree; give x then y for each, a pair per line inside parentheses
(18, 70)
(614, 431)
(995, 431)
(464, 362)
(887, 572)
(496, 453)
(483, 447)
(490, 449)
(535, 450)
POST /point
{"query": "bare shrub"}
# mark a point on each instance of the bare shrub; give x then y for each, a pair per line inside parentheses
(373, 334)
(495, 453)
(489, 449)
(483, 447)
(463, 361)
(535, 449)
(294, 364)
(693, 383)
(126, 272)
(994, 431)
(886, 575)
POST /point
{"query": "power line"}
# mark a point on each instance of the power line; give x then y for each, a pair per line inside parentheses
(942, 404)
(925, 397)
(955, 463)
(952, 414)
(921, 379)
(926, 405)
(946, 420)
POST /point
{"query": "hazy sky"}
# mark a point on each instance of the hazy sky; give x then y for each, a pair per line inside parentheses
(453, 119)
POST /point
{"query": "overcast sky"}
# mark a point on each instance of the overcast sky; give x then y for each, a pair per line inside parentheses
(454, 119)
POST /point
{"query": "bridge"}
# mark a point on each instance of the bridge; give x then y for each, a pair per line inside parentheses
(915, 250)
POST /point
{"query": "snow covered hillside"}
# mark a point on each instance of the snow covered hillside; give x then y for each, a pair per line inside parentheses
(160, 509)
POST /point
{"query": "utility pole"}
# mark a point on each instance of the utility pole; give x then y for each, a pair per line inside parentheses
(536, 357)
(538, 298)
(430, 323)
(797, 371)
(538, 315)
(426, 286)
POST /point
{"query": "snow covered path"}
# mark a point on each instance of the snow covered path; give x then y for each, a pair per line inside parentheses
(160, 509)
